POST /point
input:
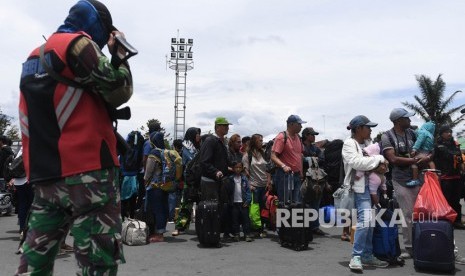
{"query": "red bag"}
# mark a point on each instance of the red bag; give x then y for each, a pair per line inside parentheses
(271, 204)
(431, 203)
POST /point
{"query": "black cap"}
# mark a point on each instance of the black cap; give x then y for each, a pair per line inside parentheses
(309, 131)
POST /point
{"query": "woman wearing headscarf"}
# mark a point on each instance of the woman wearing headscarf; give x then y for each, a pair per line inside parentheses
(190, 148)
(355, 160)
(155, 178)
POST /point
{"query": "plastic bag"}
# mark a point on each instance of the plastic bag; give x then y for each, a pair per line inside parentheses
(431, 203)
(254, 214)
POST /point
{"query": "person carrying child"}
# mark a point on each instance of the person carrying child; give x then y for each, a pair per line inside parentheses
(375, 179)
(423, 146)
(239, 193)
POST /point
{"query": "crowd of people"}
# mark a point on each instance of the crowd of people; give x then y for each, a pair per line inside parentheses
(70, 92)
(232, 173)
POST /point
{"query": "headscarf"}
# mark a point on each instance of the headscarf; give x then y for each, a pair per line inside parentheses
(91, 17)
(158, 141)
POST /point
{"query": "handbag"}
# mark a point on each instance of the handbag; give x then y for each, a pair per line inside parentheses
(315, 181)
(134, 232)
(254, 214)
(344, 196)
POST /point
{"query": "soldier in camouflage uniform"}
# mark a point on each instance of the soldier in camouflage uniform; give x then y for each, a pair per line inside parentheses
(69, 145)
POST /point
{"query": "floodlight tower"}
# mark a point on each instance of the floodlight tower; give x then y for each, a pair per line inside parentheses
(180, 61)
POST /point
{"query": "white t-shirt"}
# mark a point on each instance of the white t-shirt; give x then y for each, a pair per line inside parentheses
(237, 189)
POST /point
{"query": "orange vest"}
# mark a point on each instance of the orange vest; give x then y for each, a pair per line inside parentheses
(65, 130)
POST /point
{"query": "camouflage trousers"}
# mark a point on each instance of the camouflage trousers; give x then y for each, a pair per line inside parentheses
(88, 204)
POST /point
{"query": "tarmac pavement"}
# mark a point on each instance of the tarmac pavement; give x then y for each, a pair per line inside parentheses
(182, 255)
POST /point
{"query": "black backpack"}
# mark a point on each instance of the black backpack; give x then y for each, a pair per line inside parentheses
(193, 175)
(132, 160)
(270, 165)
(193, 172)
(14, 167)
(333, 162)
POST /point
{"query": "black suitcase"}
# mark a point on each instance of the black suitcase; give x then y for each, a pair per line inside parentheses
(296, 238)
(207, 223)
(433, 245)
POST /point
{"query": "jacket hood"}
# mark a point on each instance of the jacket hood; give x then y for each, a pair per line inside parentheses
(83, 16)
(429, 126)
(372, 149)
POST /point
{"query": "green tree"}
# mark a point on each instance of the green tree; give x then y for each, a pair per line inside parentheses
(7, 128)
(432, 105)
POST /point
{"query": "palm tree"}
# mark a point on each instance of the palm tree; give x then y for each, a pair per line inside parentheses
(431, 105)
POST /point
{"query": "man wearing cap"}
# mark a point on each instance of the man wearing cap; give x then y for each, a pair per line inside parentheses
(286, 153)
(397, 144)
(355, 160)
(311, 150)
(214, 160)
(69, 145)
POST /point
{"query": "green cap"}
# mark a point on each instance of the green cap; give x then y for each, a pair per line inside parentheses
(221, 121)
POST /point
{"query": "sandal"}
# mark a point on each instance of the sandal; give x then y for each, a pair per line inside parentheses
(345, 237)
(156, 238)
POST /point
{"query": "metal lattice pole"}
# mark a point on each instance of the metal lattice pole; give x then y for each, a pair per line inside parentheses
(180, 61)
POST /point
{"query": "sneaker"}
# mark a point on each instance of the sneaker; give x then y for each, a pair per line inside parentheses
(374, 262)
(66, 248)
(412, 183)
(459, 259)
(236, 238)
(263, 234)
(405, 255)
(248, 238)
(356, 264)
(227, 237)
(318, 232)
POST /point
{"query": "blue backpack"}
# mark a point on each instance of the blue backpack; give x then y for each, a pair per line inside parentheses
(171, 169)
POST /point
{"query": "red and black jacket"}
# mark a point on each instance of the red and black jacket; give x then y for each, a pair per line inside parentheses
(65, 130)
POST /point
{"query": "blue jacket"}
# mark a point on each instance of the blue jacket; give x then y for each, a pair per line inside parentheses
(246, 193)
(425, 137)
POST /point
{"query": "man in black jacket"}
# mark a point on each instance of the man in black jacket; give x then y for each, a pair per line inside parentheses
(214, 160)
(5, 152)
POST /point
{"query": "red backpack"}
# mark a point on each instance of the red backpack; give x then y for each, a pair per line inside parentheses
(269, 212)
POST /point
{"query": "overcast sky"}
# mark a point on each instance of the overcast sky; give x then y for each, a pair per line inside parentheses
(256, 62)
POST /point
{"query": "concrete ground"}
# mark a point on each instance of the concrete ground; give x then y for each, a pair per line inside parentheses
(182, 256)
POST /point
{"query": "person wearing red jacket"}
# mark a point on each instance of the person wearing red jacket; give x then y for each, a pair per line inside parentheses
(69, 144)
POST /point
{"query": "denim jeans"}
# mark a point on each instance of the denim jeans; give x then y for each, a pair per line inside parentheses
(172, 201)
(363, 239)
(240, 216)
(158, 205)
(281, 179)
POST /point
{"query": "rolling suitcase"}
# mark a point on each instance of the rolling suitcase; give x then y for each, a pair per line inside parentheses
(207, 223)
(433, 245)
(386, 245)
(296, 238)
